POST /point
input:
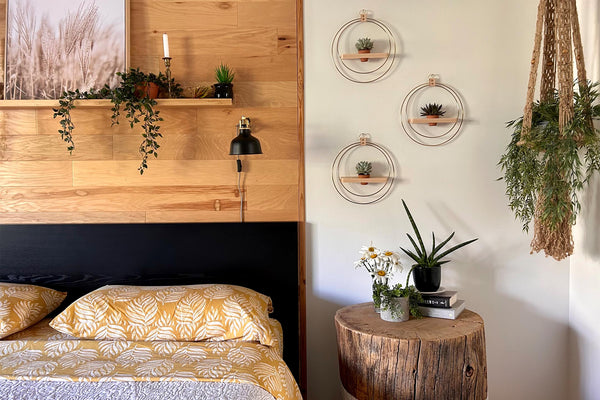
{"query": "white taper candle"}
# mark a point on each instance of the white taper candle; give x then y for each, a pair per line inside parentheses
(166, 44)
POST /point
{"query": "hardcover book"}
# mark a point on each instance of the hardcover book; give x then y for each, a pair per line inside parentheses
(447, 313)
(443, 299)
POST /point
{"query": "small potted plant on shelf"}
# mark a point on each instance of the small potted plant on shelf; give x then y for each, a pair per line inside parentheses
(224, 86)
(381, 266)
(363, 169)
(427, 272)
(397, 302)
(432, 110)
(364, 45)
(135, 94)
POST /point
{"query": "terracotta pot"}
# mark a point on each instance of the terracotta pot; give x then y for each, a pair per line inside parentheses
(364, 51)
(148, 89)
(364, 176)
(432, 117)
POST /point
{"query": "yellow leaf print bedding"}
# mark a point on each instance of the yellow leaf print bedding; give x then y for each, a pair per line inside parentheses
(23, 305)
(42, 353)
(194, 312)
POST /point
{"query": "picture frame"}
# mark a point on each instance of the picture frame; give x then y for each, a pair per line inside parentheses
(63, 45)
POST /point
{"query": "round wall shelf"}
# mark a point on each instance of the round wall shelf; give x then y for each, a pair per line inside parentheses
(363, 68)
(428, 131)
(358, 189)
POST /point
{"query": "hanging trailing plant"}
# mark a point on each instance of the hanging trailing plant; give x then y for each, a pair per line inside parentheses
(132, 97)
(545, 172)
(554, 147)
(66, 103)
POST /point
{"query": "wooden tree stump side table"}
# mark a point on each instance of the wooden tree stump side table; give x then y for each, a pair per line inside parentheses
(424, 359)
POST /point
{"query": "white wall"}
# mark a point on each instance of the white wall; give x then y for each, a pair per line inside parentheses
(584, 295)
(481, 48)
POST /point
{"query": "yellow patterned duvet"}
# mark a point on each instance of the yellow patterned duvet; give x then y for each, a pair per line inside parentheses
(41, 353)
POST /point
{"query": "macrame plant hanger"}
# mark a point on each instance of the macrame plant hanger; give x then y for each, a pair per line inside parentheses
(558, 23)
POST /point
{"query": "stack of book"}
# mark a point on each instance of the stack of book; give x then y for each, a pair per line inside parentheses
(442, 304)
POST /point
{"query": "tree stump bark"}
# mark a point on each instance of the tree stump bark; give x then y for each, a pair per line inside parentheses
(425, 359)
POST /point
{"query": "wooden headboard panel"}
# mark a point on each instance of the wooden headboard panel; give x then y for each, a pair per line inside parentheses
(80, 258)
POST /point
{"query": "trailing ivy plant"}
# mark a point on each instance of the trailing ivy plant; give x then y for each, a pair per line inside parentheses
(549, 167)
(130, 97)
(66, 103)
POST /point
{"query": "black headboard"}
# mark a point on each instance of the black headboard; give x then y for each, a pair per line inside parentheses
(80, 258)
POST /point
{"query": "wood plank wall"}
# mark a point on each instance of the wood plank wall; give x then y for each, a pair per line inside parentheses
(194, 179)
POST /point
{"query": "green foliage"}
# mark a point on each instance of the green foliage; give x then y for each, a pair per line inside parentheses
(378, 288)
(364, 44)
(414, 298)
(224, 74)
(550, 163)
(66, 103)
(127, 96)
(432, 109)
(364, 168)
(138, 108)
(420, 255)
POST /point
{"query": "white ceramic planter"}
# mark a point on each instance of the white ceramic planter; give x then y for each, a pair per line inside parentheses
(397, 311)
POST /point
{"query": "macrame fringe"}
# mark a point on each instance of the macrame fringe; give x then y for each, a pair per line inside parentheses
(557, 242)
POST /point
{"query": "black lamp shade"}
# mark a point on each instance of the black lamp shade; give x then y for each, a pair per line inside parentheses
(245, 143)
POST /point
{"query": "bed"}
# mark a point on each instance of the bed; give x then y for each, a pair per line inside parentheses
(40, 362)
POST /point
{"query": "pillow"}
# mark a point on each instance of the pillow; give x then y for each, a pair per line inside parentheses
(182, 313)
(23, 305)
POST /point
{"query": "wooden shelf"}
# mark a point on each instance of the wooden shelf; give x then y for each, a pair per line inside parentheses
(356, 179)
(106, 103)
(432, 120)
(354, 56)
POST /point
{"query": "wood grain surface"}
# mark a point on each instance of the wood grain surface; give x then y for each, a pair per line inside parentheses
(425, 359)
(99, 182)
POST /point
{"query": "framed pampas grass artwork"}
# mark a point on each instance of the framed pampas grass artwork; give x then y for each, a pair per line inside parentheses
(58, 45)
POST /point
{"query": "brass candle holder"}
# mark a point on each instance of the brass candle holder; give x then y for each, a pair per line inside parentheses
(167, 61)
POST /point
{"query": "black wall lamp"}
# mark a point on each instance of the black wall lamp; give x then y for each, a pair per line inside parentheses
(243, 144)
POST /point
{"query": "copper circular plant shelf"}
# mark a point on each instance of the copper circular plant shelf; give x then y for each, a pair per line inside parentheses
(345, 64)
(344, 185)
(431, 137)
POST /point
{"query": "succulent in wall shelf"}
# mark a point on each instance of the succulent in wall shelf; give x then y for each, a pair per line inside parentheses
(432, 110)
(224, 86)
(364, 46)
(363, 169)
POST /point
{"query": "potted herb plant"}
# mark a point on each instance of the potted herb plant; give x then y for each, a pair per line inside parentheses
(364, 45)
(224, 86)
(381, 266)
(363, 169)
(431, 111)
(427, 272)
(397, 302)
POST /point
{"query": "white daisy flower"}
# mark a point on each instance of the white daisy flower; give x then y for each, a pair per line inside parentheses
(381, 275)
(368, 251)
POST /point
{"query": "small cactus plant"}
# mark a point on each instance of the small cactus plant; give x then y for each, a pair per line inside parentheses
(432, 109)
(364, 168)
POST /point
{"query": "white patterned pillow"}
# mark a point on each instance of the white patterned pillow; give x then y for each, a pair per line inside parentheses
(181, 313)
(23, 305)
